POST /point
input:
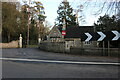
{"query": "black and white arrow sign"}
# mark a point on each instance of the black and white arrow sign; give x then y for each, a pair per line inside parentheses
(112, 35)
(89, 37)
(117, 35)
(102, 36)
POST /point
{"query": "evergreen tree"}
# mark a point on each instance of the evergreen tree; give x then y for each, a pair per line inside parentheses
(106, 23)
(65, 11)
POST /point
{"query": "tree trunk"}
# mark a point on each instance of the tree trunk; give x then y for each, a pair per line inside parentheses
(8, 37)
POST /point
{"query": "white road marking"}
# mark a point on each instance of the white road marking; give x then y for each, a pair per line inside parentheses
(53, 61)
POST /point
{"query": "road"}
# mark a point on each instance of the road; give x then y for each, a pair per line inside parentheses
(27, 68)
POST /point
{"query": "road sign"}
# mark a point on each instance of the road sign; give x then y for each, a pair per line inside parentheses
(101, 36)
(63, 33)
(89, 36)
(117, 35)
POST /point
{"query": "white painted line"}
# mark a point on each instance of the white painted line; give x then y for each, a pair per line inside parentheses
(53, 61)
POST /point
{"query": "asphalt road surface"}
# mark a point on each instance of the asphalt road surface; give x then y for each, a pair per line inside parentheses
(34, 69)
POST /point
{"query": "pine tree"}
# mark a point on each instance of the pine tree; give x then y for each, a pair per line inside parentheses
(65, 11)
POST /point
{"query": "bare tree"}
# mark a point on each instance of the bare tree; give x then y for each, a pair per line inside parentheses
(107, 6)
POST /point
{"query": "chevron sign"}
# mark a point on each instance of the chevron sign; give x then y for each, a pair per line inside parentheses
(101, 36)
(117, 35)
(88, 36)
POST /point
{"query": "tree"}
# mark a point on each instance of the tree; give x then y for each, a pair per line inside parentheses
(37, 17)
(65, 11)
(107, 6)
(39, 11)
(106, 23)
(40, 17)
(44, 29)
(9, 21)
(23, 22)
(15, 21)
(118, 18)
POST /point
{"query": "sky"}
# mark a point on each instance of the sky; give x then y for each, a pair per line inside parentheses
(51, 7)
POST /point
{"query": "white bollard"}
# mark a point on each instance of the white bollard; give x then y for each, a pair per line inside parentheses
(20, 41)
